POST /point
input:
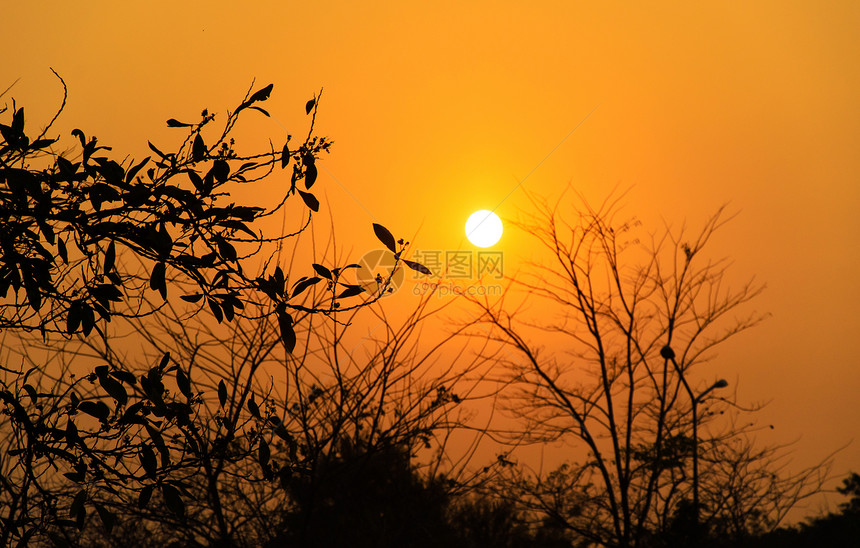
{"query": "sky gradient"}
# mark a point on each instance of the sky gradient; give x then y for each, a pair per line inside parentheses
(438, 111)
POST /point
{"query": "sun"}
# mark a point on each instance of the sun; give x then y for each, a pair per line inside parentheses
(484, 228)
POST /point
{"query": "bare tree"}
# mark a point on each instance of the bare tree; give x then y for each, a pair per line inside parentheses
(649, 450)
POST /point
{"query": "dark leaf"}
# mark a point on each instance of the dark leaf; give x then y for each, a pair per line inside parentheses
(261, 110)
(351, 291)
(158, 440)
(222, 392)
(62, 251)
(173, 500)
(183, 382)
(216, 310)
(283, 434)
(173, 122)
(304, 284)
(279, 280)
(157, 281)
(71, 433)
(288, 334)
(147, 460)
(129, 176)
(165, 359)
(34, 294)
(114, 389)
(155, 150)
(144, 496)
(77, 506)
(264, 454)
(41, 143)
(310, 105)
(310, 175)
(227, 307)
(285, 156)
(253, 407)
(418, 266)
(108, 519)
(226, 249)
(97, 409)
(18, 121)
(110, 258)
(196, 180)
(322, 271)
(31, 392)
(193, 298)
(88, 319)
(385, 237)
(124, 376)
(220, 170)
(262, 94)
(67, 169)
(310, 201)
(198, 149)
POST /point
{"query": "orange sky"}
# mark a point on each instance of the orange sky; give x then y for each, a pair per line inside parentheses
(440, 109)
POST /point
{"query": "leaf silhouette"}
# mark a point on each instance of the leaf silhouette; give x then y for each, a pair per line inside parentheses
(418, 266)
(132, 171)
(216, 309)
(99, 409)
(144, 496)
(196, 180)
(322, 271)
(285, 156)
(262, 94)
(183, 382)
(385, 237)
(222, 392)
(301, 285)
(198, 149)
(264, 454)
(110, 257)
(310, 175)
(73, 318)
(114, 389)
(157, 280)
(108, 519)
(253, 407)
(288, 334)
(154, 149)
(310, 105)
(147, 460)
(310, 201)
(220, 170)
(351, 291)
(173, 500)
(173, 122)
(77, 506)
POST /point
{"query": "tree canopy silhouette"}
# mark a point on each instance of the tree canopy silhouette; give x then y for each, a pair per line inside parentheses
(86, 240)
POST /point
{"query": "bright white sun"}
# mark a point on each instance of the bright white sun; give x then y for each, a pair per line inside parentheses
(484, 228)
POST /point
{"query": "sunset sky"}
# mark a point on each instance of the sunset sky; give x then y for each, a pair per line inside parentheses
(441, 109)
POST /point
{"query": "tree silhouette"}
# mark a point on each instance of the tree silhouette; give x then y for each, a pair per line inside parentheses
(647, 456)
(89, 243)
